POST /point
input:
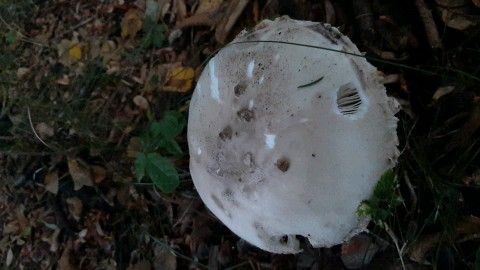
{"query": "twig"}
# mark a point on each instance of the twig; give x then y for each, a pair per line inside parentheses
(412, 193)
(23, 37)
(184, 214)
(395, 241)
(77, 25)
(34, 132)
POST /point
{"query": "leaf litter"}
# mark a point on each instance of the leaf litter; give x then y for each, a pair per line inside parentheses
(101, 78)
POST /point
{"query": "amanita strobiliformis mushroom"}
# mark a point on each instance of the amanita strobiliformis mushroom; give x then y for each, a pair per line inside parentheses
(274, 155)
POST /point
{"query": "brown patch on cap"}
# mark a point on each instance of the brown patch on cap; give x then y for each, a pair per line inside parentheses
(283, 164)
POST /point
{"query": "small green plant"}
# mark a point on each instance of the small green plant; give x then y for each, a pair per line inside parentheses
(160, 136)
(11, 37)
(384, 200)
(382, 205)
(154, 34)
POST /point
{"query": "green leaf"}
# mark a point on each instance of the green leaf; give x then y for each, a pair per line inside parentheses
(477, 259)
(384, 200)
(147, 42)
(155, 130)
(158, 38)
(385, 186)
(172, 147)
(154, 34)
(140, 165)
(170, 126)
(148, 25)
(150, 116)
(162, 172)
(11, 36)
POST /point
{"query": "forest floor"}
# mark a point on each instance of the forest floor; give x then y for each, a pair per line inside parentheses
(85, 86)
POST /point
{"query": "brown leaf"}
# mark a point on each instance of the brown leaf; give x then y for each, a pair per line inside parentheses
(141, 102)
(180, 79)
(422, 246)
(358, 251)
(80, 173)
(51, 182)
(134, 146)
(131, 23)
(208, 6)
(64, 261)
(429, 24)
(456, 15)
(221, 15)
(442, 91)
(69, 51)
(141, 265)
(109, 51)
(65, 80)
(75, 207)
(462, 137)
(44, 130)
(22, 72)
(99, 173)
(468, 225)
(164, 258)
(233, 12)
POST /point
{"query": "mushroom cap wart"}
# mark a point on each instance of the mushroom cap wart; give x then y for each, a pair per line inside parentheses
(273, 160)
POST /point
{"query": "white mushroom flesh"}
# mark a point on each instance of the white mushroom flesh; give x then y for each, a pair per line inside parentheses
(273, 160)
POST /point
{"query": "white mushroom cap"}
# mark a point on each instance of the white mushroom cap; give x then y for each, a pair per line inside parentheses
(272, 160)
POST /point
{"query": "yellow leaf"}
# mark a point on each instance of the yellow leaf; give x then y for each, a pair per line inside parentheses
(131, 23)
(69, 51)
(75, 52)
(180, 79)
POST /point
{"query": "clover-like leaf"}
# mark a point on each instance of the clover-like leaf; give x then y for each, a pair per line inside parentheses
(162, 172)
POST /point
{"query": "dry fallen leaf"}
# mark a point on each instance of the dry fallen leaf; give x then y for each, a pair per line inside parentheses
(358, 251)
(164, 258)
(64, 261)
(109, 51)
(141, 102)
(69, 51)
(80, 173)
(221, 15)
(75, 52)
(134, 146)
(180, 79)
(9, 257)
(131, 23)
(22, 72)
(51, 182)
(65, 80)
(44, 130)
(140, 265)
(99, 173)
(75, 207)
(208, 6)
(463, 136)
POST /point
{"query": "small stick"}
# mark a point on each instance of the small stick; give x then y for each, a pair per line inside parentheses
(34, 132)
